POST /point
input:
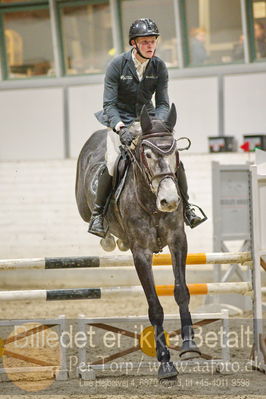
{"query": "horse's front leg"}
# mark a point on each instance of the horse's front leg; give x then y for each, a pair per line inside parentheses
(143, 264)
(178, 250)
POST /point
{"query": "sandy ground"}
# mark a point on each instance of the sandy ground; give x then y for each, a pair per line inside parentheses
(137, 383)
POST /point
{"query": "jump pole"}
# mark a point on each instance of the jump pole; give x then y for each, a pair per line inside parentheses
(121, 260)
(243, 288)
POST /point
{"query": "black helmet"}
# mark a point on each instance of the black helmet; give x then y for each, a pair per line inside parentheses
(143, 27)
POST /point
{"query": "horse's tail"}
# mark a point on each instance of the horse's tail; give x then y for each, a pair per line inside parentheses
(82, 204)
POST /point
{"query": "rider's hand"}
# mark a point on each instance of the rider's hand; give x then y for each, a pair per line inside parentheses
(126, 136)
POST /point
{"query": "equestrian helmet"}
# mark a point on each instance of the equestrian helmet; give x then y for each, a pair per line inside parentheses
(143, 27)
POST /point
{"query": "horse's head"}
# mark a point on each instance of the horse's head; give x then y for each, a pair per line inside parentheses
(159, 158)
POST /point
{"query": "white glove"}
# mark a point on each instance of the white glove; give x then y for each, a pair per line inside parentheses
(118, 126)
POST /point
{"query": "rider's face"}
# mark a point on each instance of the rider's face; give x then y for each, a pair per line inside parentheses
(147, 45)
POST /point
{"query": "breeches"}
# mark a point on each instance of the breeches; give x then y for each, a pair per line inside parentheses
(112, 150)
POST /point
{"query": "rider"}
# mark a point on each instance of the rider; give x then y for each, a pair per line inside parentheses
(130, 81)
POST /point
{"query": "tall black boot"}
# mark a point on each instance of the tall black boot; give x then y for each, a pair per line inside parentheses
(191, 219)
(96, 225)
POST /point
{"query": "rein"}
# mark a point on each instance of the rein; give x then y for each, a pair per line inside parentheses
(135, 162)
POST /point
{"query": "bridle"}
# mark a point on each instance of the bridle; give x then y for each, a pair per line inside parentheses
(157, 146)
(147, 141)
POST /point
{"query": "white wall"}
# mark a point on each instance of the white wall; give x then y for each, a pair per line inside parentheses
(39, 216)
(84, 101)
(244, 99)
(31, 124)
(196, 101)
(32, 120)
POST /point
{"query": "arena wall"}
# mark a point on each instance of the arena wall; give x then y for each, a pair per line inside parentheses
(39, 216)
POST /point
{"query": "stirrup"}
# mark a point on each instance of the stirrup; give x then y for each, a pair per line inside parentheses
(204, 217)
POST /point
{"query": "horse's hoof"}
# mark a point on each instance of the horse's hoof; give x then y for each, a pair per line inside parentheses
(189, 350)
(108, 243)
(167, 370)
(122, 245)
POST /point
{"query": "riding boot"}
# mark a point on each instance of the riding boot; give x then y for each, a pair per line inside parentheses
(191, 219)
(96, 225)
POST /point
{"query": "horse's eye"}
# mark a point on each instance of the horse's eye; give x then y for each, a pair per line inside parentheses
(148, 154)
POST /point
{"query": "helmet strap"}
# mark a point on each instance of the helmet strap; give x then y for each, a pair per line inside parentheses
(139, 52)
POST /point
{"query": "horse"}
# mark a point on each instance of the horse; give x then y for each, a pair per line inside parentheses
(147, 217)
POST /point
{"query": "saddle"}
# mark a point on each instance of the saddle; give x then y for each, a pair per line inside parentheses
(120, 173)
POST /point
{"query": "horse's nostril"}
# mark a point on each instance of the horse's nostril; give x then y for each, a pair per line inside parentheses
(164, 202)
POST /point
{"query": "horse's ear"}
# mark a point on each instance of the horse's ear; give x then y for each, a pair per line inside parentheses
(145, 120)
(171, 118)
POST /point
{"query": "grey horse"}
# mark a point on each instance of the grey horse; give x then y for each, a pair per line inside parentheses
(147, 217)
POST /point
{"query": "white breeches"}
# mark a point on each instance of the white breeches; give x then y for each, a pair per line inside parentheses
(113, 143)
(112, 150)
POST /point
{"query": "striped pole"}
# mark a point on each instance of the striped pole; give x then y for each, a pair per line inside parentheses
(120, 260)
(243, 288)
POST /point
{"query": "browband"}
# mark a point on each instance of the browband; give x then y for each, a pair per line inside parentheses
(163, 148)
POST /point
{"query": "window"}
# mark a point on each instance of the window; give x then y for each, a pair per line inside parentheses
(259, 27)
(28, 42)
(164, 16)
(87, 37)
(214, 32)
(211, 33)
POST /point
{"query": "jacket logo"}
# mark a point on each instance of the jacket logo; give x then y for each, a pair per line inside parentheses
(151, 77)
(125, 77)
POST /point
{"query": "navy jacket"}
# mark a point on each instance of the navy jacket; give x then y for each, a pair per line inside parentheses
(124, 94)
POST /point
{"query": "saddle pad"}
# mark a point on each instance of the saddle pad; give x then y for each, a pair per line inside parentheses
(94, 182)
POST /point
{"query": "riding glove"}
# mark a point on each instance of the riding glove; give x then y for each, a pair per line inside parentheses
(125, 135)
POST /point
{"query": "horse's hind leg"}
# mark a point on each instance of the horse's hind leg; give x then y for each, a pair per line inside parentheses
(143, 264)
(178, 250)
